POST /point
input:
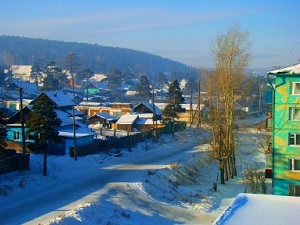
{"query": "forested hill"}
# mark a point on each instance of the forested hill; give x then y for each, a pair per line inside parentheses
(99, 59)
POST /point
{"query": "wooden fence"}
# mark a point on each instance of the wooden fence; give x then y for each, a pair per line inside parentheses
(13, 161)
(128, 141)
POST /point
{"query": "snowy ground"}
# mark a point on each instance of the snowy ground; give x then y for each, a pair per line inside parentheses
(176, 191)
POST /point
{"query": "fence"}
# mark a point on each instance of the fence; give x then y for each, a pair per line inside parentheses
(128, 141)
(13, 161)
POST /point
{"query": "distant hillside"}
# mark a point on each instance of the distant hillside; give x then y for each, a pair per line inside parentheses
(98, 59)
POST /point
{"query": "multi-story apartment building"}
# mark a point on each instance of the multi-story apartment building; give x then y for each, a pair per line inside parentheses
(286, 130)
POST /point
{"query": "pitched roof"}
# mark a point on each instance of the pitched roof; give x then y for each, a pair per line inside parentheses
(106, 116)
(127, 119)
(81, 131)
(60, 98)
(150, 107)
(288, 70)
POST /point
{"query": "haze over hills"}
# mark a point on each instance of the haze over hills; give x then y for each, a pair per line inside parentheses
(99, 59)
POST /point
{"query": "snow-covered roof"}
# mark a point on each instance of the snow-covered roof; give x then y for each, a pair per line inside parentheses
(102, 86)
(82, 130)
(130, 93)
(288, 70)
(145, 115)
(64, 117)
(21, 69)
(127, 119)
(261, 209)
(106, 116)
(194, 106)
(60, 98)
(147, 121)
(150, 107)
(29, 88)
(87, 103)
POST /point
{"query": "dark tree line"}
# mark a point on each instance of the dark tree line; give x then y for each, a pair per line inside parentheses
(100, 59)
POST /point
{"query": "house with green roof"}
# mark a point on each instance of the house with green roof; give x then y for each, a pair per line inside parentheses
(286, 130)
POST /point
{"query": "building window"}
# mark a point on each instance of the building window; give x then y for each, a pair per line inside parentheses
(294, 139)
(117, 114)
(294, 113)
(296, 88)
(294, 165)
(16, 135)
(294, 190)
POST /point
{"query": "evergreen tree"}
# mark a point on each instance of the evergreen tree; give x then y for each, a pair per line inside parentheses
(113, 80)
(3, 132)
(143, 89)
(36, 72)
(55, 78)
(161, 80)
(173, 108)
(50, 83)
(42, 123)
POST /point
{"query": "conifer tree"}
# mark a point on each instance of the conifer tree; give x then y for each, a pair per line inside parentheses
(143, 89)
(36, 73)
(42, 123)
(173, 108)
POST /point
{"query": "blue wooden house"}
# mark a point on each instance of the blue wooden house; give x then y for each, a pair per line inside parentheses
(63, 105)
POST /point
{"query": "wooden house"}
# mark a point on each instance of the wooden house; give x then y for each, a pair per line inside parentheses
(102, 120)
(63, 108)
(126, 122)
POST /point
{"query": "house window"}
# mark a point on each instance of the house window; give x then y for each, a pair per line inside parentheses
(294, 164)
(16, 135)
(294, 113)
(294, 190)
(294, 139)
(117, 114)
(296, 88)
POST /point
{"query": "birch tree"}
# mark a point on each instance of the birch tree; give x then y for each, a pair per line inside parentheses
(231, 53)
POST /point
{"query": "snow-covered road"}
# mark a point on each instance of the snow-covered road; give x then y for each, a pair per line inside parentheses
(43, 202)
(131, 189)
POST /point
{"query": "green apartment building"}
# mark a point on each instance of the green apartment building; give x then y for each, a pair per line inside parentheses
(286, 130)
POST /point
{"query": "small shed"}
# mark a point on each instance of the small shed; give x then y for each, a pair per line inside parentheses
(126, 122)
(102, 118)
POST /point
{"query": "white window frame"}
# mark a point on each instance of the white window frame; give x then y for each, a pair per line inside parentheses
(294, 89)
(293, 163)
(293, 137)
(292, 113)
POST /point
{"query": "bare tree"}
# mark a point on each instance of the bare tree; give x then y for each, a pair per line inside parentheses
(231, 52)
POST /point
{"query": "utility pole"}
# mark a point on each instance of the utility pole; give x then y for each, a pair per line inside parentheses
(153, 111)
(191, 108)
(71, 61)
(22, 121)
(199, 103)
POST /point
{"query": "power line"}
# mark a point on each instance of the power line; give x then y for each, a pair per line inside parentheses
(289, 53)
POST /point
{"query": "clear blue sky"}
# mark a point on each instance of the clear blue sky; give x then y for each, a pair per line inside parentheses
(181, 30)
